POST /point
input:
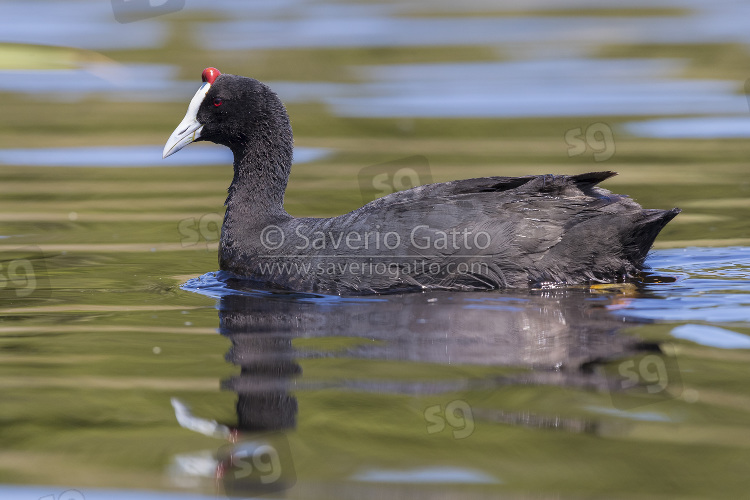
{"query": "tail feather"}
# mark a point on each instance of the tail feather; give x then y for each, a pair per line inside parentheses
(645, 231)
(590, 179)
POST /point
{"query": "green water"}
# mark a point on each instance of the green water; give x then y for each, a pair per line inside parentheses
(105, 337)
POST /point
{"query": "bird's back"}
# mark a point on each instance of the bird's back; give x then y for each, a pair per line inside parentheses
(474, 234)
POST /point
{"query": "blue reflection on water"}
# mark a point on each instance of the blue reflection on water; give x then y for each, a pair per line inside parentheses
(543, 87)
(692, 128)
(135, 156)
(88, 25)
(713, 286)
(553, 74)
(127, 79)
(645, 416)
(342, 27)
(567, 87)
(217, 284)
(431, 475)
(712, 336)
(560, 87)
(56, 492)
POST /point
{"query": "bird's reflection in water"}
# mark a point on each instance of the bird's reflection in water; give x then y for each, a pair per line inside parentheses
(553, 337)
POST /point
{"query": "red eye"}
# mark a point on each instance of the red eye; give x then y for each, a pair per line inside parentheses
(218, 101)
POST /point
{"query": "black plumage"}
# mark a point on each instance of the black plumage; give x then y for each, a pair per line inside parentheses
(474, 234)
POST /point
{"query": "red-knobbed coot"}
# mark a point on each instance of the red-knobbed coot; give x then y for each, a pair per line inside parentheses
(474, 234)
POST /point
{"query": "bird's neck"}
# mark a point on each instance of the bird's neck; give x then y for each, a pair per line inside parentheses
(261, 170)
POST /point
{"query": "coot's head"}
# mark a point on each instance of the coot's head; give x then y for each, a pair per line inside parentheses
(229, 110)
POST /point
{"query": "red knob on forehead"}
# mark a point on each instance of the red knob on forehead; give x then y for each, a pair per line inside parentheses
(210, 74)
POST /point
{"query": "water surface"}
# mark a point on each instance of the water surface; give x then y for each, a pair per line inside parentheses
(131, 368)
